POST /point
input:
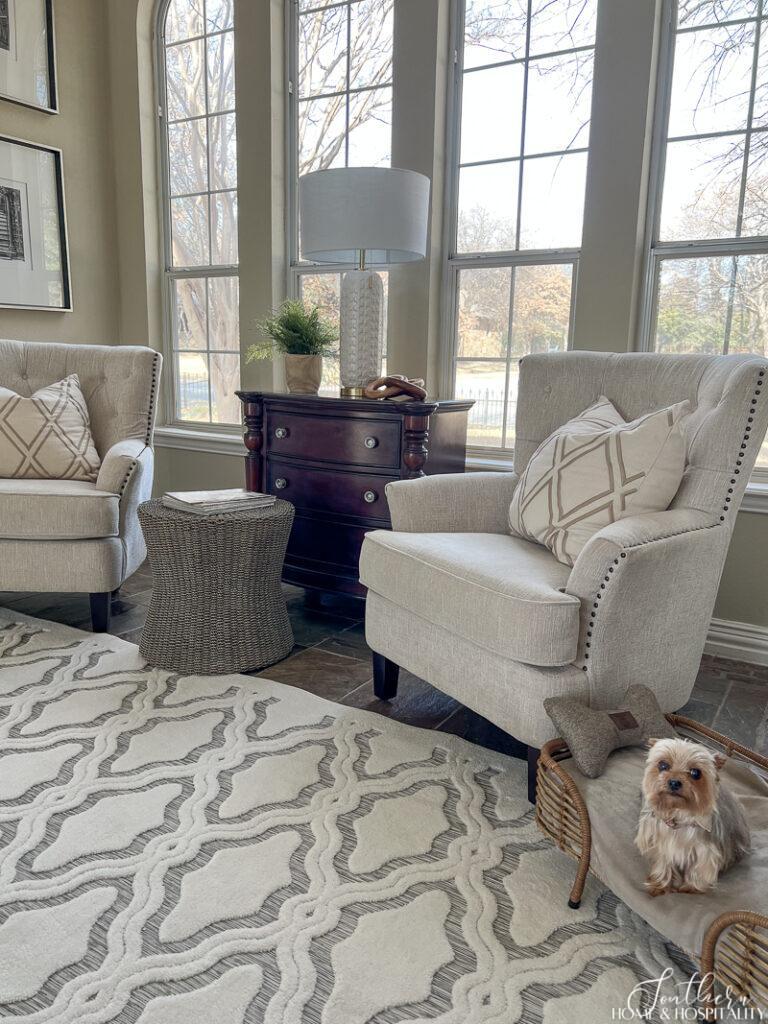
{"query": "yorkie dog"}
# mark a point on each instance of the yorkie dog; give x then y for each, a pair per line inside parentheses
(691, 828)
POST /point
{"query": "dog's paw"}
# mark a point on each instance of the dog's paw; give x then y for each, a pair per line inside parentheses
(689, 889)
(653, 888)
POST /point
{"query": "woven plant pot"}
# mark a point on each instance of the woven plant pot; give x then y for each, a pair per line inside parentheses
(303, 374)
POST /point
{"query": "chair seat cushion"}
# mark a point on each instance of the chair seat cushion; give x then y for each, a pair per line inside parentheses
(499, 592)
(56, 510)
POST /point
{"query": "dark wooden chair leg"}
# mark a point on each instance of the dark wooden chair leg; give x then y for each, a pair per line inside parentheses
(533, 761)
(101, 606)
(385, 674)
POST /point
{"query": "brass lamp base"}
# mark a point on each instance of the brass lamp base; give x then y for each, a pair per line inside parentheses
(353, 392)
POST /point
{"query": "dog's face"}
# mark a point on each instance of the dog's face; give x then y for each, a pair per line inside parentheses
(681, 778)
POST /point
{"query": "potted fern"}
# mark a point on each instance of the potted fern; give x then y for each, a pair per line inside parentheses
(300, 333)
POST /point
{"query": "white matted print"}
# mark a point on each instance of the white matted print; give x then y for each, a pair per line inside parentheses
(27, 65)
(34, 269)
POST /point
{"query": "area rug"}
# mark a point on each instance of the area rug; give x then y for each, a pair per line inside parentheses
(222, 850)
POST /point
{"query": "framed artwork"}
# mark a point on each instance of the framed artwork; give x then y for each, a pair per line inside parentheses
(27, 53)
(34, 262)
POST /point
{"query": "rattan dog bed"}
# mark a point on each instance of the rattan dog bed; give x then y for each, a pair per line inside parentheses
(732, 921)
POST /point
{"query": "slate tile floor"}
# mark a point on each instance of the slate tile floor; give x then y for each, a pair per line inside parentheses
(331, 659)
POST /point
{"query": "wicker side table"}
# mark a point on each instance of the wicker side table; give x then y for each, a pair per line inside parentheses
(217, 604)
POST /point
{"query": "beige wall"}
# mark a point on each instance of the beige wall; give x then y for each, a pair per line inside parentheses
(83, 130)
(743, 595)
(177, 470)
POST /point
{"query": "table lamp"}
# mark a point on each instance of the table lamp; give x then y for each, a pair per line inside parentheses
(372, 217)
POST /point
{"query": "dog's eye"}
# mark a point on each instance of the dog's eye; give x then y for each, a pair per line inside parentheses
(695, 773)
(663, 766)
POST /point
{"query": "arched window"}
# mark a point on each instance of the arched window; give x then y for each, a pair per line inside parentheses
(522, 107)
(199, 157)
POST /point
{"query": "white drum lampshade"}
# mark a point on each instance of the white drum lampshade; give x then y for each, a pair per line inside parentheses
(372, 217)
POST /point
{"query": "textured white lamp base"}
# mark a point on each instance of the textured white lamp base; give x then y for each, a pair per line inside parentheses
(361, 342)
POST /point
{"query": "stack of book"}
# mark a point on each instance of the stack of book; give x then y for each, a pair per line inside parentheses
(212, 503)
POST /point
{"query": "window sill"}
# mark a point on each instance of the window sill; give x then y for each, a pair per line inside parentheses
(193, 439)
(215, 442)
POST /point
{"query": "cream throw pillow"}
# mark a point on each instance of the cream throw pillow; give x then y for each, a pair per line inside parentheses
(47, 436)
(594, 470)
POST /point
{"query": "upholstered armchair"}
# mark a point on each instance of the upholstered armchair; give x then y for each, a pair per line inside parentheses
(497, 623)
(70, 535)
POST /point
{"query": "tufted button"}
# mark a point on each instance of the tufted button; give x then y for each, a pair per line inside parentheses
(24, 376)
(548, 389)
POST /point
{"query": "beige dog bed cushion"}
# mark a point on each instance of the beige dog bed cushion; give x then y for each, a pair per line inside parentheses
(613, 802)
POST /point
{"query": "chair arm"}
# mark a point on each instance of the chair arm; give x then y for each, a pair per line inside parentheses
(647, 587)
(452, 503)
(119, 464)
(128, 471)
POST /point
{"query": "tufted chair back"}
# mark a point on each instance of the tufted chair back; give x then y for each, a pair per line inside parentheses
(728, 396)
(119, 383)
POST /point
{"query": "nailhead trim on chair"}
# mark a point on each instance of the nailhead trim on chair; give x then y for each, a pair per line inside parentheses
(736, 471)
(127, 477)
(152, 397)
(595, 606)
(744, 440)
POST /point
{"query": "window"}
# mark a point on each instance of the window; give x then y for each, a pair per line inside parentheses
(199, 149)
(523, 100)
(708, 261)
(341, 89)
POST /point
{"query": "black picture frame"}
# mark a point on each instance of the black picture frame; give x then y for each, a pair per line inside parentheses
(53, 99)
(63, 239)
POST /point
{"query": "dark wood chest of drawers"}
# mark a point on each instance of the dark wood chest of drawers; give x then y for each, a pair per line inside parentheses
(332, 458)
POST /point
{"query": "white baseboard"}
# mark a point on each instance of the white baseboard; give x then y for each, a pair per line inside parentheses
(741, 641)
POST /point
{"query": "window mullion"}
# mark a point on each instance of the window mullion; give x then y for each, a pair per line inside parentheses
(510, 322)
(750, 117)
(523, 117)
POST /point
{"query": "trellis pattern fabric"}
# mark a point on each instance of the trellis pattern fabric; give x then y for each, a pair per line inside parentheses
(177, 850)
(47, 436)
(595, 470)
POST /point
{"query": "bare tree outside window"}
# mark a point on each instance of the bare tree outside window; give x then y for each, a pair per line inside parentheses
(201, 148)
(709, 256)
(525, 91)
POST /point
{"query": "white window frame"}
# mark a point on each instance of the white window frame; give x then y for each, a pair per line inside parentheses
(455, 263)
(656, 251)
(169, 272)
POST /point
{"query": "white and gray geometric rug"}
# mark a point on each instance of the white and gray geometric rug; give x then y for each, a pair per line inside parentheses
(222, 850)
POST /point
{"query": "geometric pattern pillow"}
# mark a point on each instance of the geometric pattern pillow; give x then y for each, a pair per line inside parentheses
(47, 436)
(595, 470)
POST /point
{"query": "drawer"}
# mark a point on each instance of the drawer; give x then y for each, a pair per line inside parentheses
(348, 440)
(328, 490)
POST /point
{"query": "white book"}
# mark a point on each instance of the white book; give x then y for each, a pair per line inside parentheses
(205, 503)
(234, 494)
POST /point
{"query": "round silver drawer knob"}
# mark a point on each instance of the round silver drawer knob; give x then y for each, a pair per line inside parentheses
(370, 497)
(281, 483)
(371, 442)
(281, 432)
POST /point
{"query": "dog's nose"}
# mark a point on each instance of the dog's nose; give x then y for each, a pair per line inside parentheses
(674, 785)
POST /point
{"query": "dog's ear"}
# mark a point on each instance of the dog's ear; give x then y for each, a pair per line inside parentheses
(720, 761)
(651, 742)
